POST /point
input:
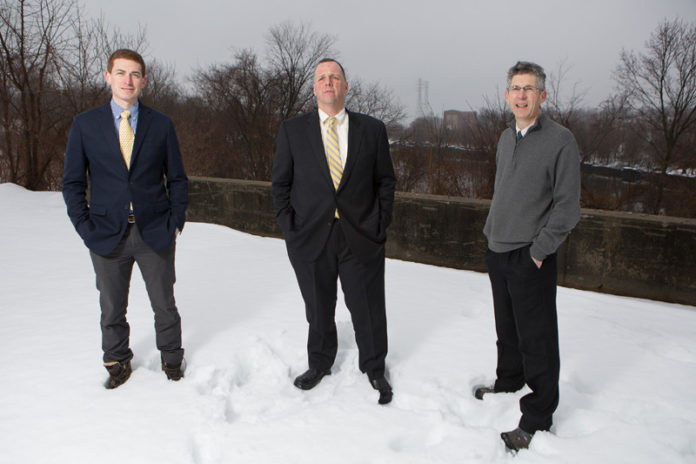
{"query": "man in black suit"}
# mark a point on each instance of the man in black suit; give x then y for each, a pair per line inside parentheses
(138, 194)
(333, 192)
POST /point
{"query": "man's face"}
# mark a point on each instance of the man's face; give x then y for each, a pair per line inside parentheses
(126, 80)
(330, 87)
(524, 104)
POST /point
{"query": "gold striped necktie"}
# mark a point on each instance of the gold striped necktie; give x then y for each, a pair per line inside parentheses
(126, 137)
(333, 155)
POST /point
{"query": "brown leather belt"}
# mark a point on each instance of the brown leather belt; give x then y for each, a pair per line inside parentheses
(131, 219)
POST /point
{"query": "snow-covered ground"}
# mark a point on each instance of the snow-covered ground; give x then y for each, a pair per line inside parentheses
(628, 366)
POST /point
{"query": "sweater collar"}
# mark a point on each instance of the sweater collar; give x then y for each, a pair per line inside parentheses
(536, 125)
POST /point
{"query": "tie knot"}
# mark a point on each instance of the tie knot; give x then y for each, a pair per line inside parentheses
(519, 135)
(332, 122)
(125, 114)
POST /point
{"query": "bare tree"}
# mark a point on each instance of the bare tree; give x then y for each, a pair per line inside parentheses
(601, 132)
(410, 166)
(244, 99)
(31, 34)
(51, 64)
(660, 85)
(248, 100)
(82, 62)
(375, 100)
(161, 88)
(561, 107)
(293, 51)
(491, 120)
(483, 133)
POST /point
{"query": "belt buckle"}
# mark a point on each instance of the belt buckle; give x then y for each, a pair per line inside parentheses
(131, 219)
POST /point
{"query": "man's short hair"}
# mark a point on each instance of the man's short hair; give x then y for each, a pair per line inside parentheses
(526, 67)
(127, 55)
(326, 60)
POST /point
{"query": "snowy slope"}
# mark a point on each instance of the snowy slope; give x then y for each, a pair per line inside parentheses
(628, 366)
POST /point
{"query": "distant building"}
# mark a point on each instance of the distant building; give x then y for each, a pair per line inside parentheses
(455, 120)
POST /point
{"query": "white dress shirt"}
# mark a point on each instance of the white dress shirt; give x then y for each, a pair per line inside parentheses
(524, 131)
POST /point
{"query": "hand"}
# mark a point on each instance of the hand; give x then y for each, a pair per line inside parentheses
(537, 262)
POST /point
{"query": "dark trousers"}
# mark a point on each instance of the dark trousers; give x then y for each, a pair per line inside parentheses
(363, 287)
(524, 300)
(113, 282)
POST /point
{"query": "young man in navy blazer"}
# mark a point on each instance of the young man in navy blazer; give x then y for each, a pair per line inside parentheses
(334, 213)
(135, 208)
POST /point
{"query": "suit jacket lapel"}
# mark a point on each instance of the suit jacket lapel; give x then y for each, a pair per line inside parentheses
(355, 132)
(314, 136)
(108, 128)
(144, 120)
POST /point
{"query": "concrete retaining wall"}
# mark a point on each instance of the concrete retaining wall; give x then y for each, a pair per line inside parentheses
(636, 255)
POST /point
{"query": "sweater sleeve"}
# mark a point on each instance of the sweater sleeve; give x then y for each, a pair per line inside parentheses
(565, 209)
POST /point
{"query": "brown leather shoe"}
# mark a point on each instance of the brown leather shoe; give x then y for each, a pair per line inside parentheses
(517, 439)
(119, 372)
(174, 371)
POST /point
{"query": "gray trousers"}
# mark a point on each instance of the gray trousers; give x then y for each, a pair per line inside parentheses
(113, 282)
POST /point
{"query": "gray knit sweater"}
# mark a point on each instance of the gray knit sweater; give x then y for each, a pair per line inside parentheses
(537, 190)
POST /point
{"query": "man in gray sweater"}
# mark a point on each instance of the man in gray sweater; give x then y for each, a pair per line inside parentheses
(536, 203)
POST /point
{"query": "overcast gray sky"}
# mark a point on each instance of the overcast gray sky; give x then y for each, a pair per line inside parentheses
(461, 48)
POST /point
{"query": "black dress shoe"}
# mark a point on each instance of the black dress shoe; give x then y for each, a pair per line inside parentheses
(517, 439)
(385, 390)
(480, 390)
(310, 378)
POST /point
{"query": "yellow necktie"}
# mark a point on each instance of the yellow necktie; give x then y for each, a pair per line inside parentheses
(126, 137)
(333, 155)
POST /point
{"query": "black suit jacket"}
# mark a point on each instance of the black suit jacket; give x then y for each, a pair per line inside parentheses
(156, 183)
(304, 197)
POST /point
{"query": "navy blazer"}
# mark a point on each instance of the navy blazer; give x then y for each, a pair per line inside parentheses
(304, 197)
(156, 183)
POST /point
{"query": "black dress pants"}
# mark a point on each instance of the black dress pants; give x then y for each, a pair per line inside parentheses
(113, 282)
(524, 300)
(363, 287)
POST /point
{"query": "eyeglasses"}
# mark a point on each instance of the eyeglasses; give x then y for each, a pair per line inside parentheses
(526, 89)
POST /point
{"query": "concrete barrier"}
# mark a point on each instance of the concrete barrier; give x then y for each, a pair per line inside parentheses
(627, 254)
